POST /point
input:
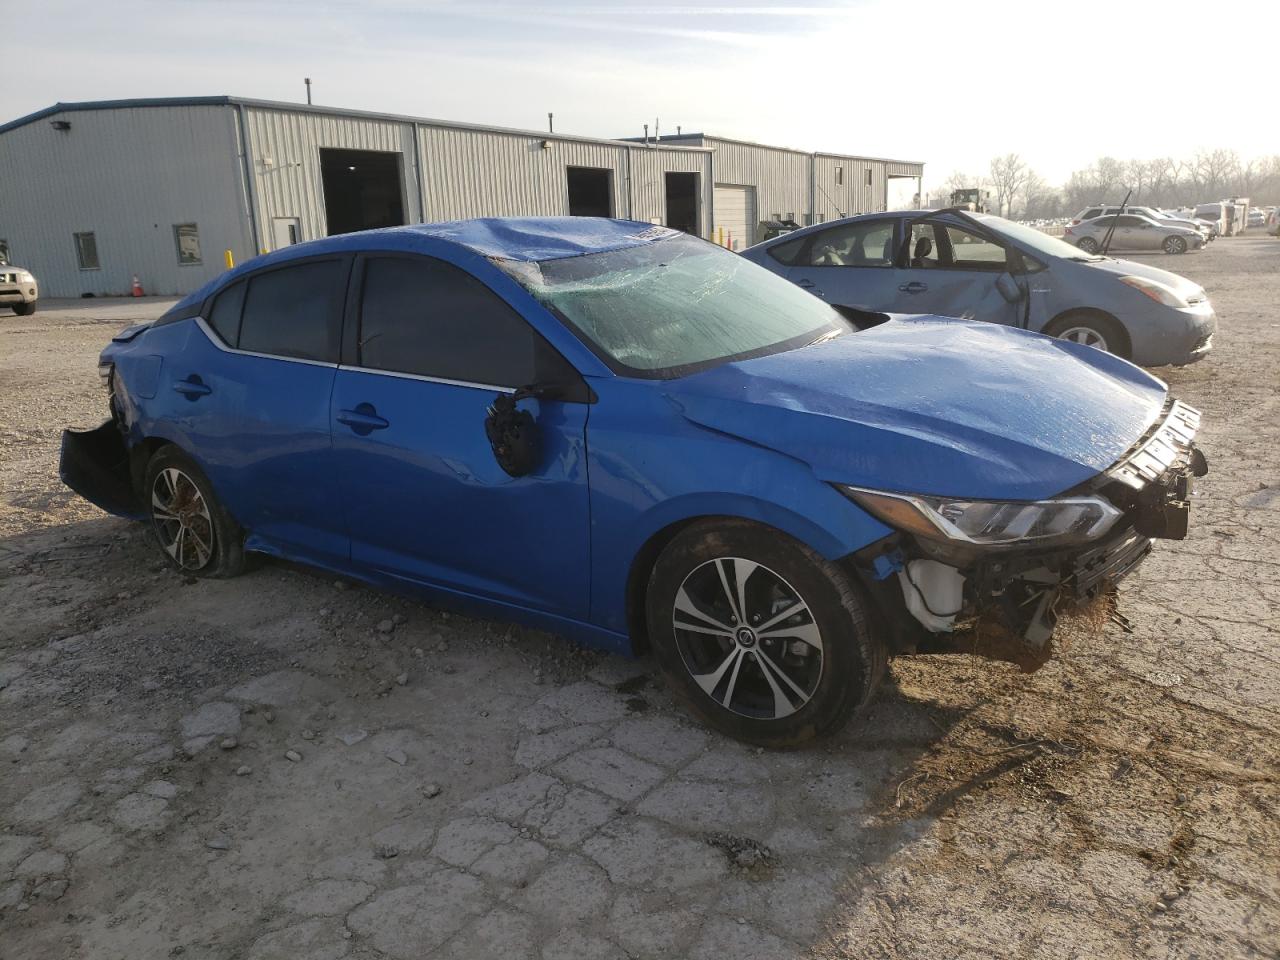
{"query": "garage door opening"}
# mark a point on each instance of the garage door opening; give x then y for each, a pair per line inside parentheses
(735, 212)
(590, 192)
(361, 190)
(682, 202)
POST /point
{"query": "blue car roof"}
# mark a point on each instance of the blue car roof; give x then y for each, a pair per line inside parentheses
(528, 239)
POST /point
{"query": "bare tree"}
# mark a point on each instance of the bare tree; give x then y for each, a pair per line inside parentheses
(1008, 177)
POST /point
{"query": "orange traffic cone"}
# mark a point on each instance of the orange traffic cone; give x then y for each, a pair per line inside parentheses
(137, 287)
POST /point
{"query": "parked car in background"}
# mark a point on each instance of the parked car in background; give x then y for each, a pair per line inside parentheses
(979, 266)
(18, 289)
(1160, 217)
(1129, 231)
(772, 495)
(1256, 218)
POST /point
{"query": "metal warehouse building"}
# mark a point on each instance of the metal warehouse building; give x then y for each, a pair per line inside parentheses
(95, 193)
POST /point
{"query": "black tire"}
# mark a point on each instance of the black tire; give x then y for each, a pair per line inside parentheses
(1088, 245)
(24, 309)
(1106, 327)
(830, 682)
(188, 527)
(1175, 245)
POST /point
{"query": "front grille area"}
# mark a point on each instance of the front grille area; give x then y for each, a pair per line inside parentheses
(1169, 443)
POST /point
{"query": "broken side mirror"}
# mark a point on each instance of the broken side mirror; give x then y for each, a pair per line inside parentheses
(1009, 288)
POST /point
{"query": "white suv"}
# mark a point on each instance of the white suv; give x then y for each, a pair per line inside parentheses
(18, 289)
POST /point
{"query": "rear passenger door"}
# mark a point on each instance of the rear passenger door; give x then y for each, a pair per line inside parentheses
(849, 264)
(252, 393)
(424, 498)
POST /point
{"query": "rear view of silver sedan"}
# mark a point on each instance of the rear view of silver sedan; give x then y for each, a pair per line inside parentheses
(1132, 232)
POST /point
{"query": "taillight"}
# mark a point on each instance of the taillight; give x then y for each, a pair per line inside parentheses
(1067, 232)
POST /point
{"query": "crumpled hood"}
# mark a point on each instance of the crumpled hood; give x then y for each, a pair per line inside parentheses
(933, 405)
(1186, 289)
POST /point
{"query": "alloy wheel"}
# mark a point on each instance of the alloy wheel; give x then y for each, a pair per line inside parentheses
(748, 638)
(182, 519)
(1085, 335)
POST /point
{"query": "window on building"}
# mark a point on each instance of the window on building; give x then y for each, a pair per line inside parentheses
(868, 176)
(839, 175)
(186, 237)
(295, 311)
(225, 315)
(87, 251)
(427, 317)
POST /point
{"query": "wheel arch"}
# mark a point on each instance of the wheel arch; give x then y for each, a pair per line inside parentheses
(1059, 320)
(830, 544)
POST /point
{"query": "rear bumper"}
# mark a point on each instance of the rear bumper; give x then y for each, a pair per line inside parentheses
(95, 464)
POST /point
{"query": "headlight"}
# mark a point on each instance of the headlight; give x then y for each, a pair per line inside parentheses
(992, 523)
(25, 277)
(1156, 290)
(105, 370)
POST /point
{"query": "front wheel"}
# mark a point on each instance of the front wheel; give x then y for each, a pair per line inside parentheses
(24, 309)
(1088, 245)
(1175, 245)
(196, 534)
(761, 637)
(1091, 329)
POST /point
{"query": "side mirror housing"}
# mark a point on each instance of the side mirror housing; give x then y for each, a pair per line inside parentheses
(1009, 288)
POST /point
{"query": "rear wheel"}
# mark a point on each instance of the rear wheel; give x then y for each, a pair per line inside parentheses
(1175, 245)
(24, 309)
(1088, 244)
(194, 531)
(761, 637)
(1092, 329)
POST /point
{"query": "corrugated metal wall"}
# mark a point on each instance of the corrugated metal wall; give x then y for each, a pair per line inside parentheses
(127, 176)
(284, 150)
(781, 177)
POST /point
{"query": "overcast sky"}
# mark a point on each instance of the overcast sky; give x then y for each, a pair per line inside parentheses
(948, 83)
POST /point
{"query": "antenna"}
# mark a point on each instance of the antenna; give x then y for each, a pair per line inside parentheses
(307, 81)
(656, 138)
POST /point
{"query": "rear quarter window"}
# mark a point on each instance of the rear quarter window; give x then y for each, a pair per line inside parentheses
(224, 316)
(787, 253)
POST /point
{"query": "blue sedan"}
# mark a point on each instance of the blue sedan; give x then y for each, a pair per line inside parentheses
(632, 437)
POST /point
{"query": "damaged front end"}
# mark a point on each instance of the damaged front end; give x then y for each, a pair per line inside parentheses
(992, 577)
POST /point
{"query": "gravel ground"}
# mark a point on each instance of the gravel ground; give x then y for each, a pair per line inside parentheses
(282, 766)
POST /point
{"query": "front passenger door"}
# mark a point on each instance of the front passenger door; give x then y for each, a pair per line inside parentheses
(952, 271)
(425, 499)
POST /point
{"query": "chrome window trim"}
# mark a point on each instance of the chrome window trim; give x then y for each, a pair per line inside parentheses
(218, 342)
(425, 379)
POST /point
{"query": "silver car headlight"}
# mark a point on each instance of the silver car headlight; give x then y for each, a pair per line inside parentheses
(992, 523)
(1157, 291)
(25, 276)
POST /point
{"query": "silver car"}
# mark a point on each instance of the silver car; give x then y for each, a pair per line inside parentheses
(983, 267)
(1132, 232)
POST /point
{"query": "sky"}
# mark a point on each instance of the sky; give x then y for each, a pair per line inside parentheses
(948, 83)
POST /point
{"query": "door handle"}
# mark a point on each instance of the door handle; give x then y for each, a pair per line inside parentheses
(192, 387)
(363, 419)
(915, 286)
(807, 284)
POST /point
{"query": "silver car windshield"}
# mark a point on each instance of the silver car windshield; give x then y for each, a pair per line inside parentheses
(1037, 240)
(674, 306)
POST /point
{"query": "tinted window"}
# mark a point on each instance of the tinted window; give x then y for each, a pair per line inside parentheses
(864, 244)
(428, 317)
(1130, 221)
(1090, 214)
(224, 317)
(787, 252)
(295, 311)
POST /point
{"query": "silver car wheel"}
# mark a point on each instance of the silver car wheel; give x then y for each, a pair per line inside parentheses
(182, 519)
(1088, 245)
(1085, 335)
(1175, 245)
(747, 638)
